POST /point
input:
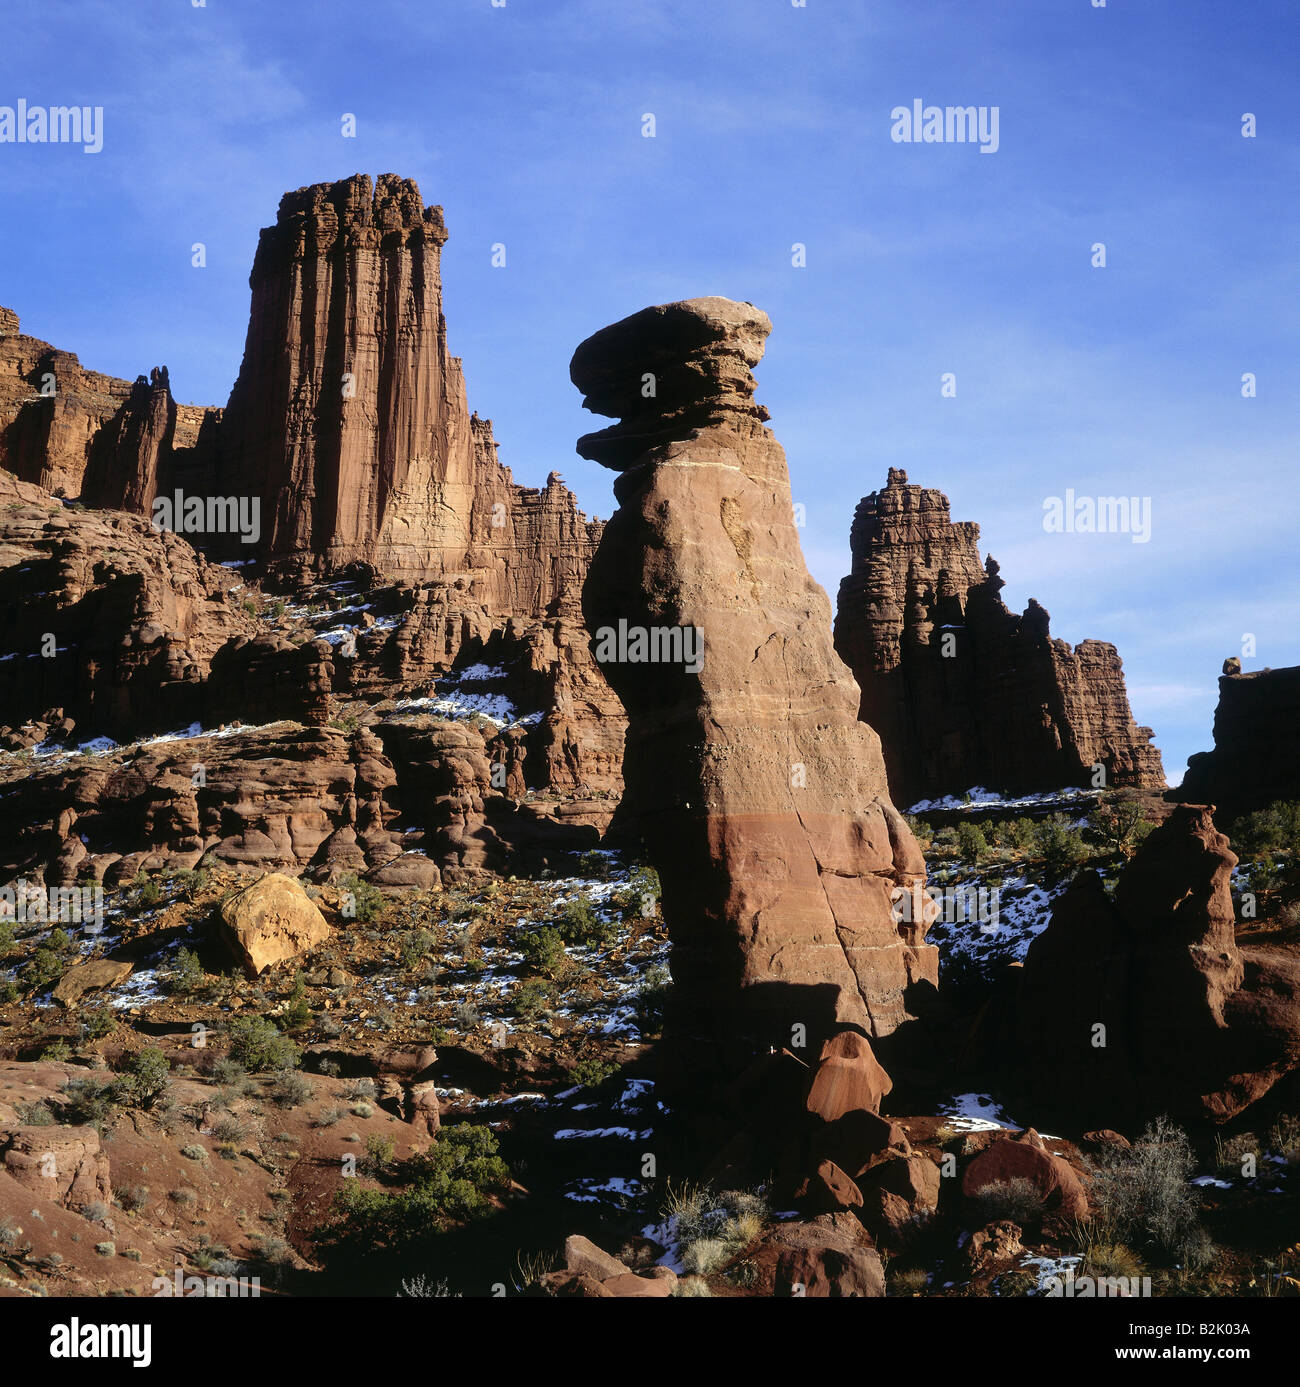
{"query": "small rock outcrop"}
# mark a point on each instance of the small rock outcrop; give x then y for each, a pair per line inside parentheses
(1145, 1004)
(1256, 756)
(961, 690)
(760, 796)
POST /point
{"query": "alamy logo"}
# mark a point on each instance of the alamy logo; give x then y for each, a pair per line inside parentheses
(1072, 1287)
(219, 1287)
(209, 515)
(949, 905)
(1100, 515)
(24, 124)
(77, 1340)
(656, 645)
(921, 124)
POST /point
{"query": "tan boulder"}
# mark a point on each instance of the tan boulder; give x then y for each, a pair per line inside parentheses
(272, 921)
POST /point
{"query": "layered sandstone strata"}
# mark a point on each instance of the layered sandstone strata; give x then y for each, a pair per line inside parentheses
(1256, 756)
(349, 432)
(760, 796)
(962, 691)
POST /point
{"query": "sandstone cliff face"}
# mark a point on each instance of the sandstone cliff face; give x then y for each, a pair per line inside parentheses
(962, 691)
(80, 434)
(760, 796)
(1194, 1026)
(350, 429)
(1256, 756)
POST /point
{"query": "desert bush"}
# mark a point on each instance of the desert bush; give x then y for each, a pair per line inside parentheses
(362, 1088)
(1229, 1152)
(651, 998)
(449, 1183)
(91, 1100)
(530, 998)
(97, 1023)
(710, 1229)
(1284, 1138)
(133, 1198)
(1060, 846)
(297, 1013)
(187, 973)
(194, 1152)
(425, 1288)
(145, 1082)
(1143, 1193)
(96, 1211)
(34, 1114)
(257, 1045)
(380, 1153)
(1268, 832)
(229, 1128)
(465, 1015)
(543, 951)
(1019, 1200)
(327, 1117)
(906, 1281)
(1120, 823)
(591, 1071)
(290, 1089)
(579, 924)
(971, 842)
(362, 901)
(692, 1287)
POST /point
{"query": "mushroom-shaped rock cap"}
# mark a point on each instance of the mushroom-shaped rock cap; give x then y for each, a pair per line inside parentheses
(667, 371)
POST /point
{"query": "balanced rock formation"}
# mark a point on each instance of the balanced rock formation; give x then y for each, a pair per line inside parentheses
(1256, 756)
(1145, 1004)
(760, 796)
(962, 691)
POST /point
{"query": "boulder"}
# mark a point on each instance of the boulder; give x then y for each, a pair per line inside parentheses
(65, 1165)
(825, 1258)
(272, 921)
(94, 976)
(1053, 1176)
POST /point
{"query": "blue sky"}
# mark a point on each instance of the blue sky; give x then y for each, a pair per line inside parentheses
(1119, 124)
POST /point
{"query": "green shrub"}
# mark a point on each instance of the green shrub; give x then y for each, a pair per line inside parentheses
(531, 998)
(194, 1152)
(591, 1072)
(187, 973)
(257, 1045)
(380, 1153)
(1268, 832)
(34, 1114)
(147, 1079)
(1060, 846)
(297, 1015)
(971, 842)
(543, 951)
(361, 901)
(450, 1183)
(580, 924)
(651, 998)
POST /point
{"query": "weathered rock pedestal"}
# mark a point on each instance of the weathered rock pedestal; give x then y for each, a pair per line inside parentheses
(759, 795)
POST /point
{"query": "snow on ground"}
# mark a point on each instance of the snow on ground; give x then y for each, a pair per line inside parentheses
(988, 933)
(467, 693)
(977, 797)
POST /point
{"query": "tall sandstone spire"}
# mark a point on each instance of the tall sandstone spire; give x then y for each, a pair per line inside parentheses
(962, 691)
(760, 796)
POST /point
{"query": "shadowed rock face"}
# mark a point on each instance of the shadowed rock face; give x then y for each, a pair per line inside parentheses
(962, 691)
(1256, 756)
(1195, 1027)
(761, 797)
